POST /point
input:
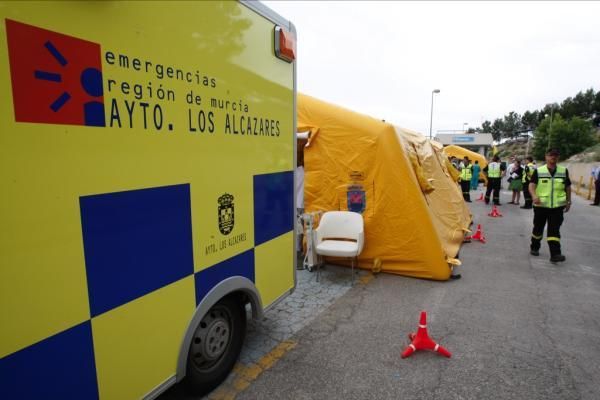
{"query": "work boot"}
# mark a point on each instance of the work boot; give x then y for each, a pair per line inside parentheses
(534, 252)
(557, 258)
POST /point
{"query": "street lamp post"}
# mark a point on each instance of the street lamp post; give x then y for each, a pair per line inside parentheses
(431, 118)
(550, 139)
(464, 126)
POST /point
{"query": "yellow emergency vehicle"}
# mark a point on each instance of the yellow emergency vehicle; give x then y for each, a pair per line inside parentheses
(147, 152)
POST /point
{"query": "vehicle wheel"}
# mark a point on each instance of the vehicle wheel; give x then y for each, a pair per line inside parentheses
(216, 345)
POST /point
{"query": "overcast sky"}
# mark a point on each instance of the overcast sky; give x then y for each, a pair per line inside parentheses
(487, 58)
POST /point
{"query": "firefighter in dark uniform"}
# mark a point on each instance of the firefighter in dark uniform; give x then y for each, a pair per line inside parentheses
(466, 173)
(494, 172)
(529, 169)
(550, 189)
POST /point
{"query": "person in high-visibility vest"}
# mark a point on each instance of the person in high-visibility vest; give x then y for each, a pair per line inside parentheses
(550, 189)
(466, 173)
(529, 169)
(494, 172)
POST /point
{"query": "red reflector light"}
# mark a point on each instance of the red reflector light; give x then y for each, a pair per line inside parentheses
(285, 44)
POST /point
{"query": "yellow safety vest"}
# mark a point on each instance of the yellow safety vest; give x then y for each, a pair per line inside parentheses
(494, 170)
(551, 189)
(466, 173)
(528, 172)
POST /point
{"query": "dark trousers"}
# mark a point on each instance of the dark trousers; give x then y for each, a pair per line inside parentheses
(527, 195)
(493, 184)
(554, 217)
(466, 187)
(597, 196)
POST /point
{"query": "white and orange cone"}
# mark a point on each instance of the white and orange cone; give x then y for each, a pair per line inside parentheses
(422, 341)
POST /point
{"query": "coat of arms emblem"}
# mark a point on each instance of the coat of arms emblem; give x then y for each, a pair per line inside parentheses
(226, 214)
(357, 199)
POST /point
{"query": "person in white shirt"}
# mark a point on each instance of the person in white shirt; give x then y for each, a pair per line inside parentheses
(299, 196)
(299, 174)
(511, 166)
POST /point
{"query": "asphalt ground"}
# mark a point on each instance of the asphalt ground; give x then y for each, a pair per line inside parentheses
(269, 338)
(518, 326)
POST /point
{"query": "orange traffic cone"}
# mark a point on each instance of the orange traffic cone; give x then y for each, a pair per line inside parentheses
(480, 197)
(495, 213)
(478, 235)
(422, 341)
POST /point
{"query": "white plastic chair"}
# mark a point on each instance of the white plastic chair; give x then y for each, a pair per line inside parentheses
(340, 234)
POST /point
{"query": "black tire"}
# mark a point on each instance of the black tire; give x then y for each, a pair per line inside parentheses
(216, 345)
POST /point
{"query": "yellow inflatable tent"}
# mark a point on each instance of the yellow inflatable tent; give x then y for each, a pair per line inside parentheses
(461, 152)
(413, 211)
(449, 213)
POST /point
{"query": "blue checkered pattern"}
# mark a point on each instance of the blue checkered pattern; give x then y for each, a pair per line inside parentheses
(273, 205)
(59, 367)
(135, 242)
(240, 265)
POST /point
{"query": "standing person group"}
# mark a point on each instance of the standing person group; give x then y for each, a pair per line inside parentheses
(519, 176)
(550, 189)
(494, 172)
(546, 189)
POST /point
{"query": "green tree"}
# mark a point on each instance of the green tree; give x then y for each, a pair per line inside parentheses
(596, 103)
(540, 117)
(486, 127)
(580, 135)
(567, 108)
(570, 137)
(541, 139)
(512, 124)
(548, 110)
(596, 109)
(583, 103)
(529, 120)
(497, 129)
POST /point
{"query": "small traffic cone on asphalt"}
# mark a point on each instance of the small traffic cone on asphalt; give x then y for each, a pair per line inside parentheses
(480, 197)
(422, 341)
(495, 213)
(478, 234)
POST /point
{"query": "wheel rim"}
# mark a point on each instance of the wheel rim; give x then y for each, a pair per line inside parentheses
(212, 338)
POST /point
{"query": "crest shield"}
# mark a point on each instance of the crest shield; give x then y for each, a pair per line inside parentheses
(357, 199)
(226, 214)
